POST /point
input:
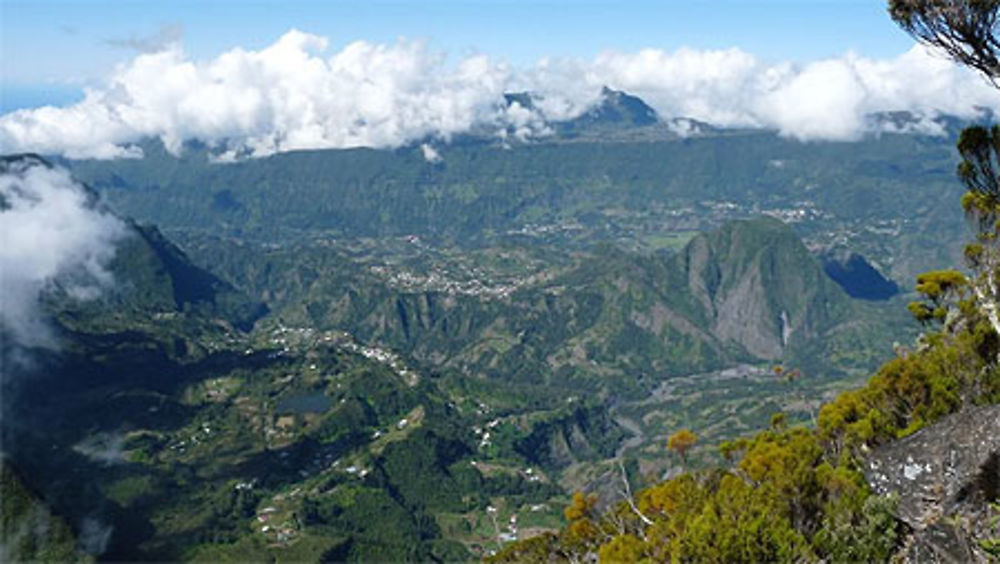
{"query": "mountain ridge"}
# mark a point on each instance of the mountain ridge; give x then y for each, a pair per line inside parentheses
(635, 193)
(613, 312)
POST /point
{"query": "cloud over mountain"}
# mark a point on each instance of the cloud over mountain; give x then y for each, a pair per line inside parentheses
(293, 95)
(51, 231)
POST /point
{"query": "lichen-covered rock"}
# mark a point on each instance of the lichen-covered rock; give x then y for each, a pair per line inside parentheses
(945, 475)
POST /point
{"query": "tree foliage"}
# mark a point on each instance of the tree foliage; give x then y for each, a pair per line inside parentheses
(681, 442)
(965, 29)
(940, 289)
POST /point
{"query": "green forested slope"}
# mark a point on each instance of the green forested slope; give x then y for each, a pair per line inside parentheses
(162, 430)
(854, 193)
(747, 292)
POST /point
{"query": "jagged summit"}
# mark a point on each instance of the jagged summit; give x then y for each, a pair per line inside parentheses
(616, 112)
(613, 109)
(524, 99)
(907, 122)
(21, 161)
(621, 108)
(616, 116)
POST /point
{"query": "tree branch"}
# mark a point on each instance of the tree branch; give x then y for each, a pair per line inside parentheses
(627, 494)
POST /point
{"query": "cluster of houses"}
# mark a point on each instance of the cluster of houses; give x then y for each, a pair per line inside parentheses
(437, 281)
(503, 536)
(528, 473)
(485, 435)
(532, 230)
(388, 358)
(200, 434)
(281, 533)
(288, 337)
(805, 210)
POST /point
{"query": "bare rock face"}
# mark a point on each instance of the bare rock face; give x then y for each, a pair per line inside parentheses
(945, 477)
(758, 286)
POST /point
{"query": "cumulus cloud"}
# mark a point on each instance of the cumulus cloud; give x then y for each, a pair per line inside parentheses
(51, 232)
(284, 97)
(830, 99)
(293, 95)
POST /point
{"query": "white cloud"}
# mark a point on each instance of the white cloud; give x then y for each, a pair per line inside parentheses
(284, 97)
(50, 231)
(828, 99)
(431, 154)
(291, 95)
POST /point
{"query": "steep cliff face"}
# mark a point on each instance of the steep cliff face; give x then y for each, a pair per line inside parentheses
(758, 286)
(147, 274)
(945, 476)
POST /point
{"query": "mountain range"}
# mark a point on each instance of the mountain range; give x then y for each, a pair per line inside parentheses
(609, 176)
(369, 355)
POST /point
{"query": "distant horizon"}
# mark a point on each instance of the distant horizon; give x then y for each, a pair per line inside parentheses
(92, 77)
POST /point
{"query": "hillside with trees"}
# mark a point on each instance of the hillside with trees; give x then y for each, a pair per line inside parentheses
(640, 338)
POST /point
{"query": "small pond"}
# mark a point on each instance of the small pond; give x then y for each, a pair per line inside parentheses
(311, 402)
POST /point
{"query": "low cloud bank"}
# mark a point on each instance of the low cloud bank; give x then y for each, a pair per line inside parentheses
(292, 95)
(52, 233)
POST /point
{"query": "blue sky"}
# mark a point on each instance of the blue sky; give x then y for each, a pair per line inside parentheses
(50, 48)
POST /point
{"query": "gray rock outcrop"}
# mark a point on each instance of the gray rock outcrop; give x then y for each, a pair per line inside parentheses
(945, 476)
